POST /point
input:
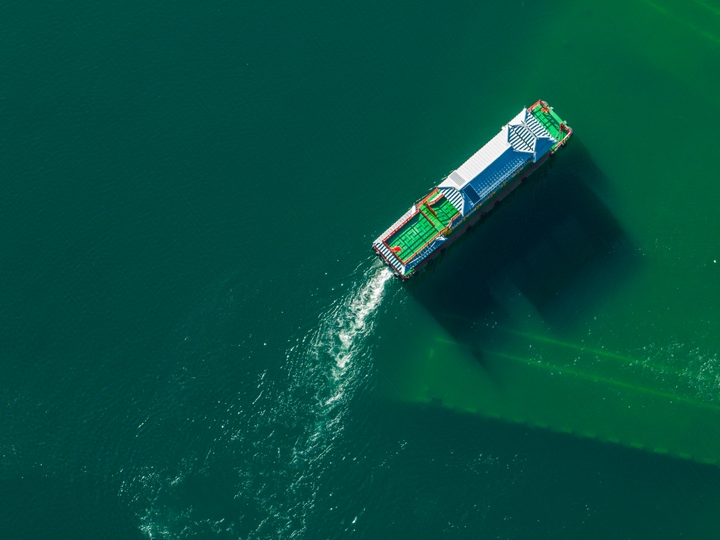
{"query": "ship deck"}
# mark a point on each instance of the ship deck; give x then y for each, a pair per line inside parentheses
(433, 216)
(549, 120)
(532, 136)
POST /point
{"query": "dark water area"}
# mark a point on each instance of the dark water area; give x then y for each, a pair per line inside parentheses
(197, 343)
(554, 233)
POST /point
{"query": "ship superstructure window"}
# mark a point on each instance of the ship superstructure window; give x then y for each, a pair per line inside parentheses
(471, 194)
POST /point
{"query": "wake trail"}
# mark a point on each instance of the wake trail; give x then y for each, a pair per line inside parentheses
(327, 363)
(327, 367)
(283, 439)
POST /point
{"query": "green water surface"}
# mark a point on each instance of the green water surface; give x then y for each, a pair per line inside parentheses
(197, 342)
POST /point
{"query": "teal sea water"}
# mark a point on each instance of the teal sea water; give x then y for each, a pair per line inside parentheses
(196, 341)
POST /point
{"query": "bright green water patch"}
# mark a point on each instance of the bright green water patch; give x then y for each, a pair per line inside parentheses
(538, 389)
(672, 371)
(696, 17)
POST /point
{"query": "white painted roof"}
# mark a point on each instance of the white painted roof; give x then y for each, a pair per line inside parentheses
(521, 140)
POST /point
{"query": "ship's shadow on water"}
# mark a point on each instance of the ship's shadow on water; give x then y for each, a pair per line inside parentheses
(544, 259)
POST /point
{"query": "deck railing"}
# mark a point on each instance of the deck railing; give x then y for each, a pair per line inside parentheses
(395, 227)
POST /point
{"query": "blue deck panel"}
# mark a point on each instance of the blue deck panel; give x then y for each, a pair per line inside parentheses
(498, 171)
(542, 147)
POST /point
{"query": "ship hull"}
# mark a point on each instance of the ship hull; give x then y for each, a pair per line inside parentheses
(479, 213)
(467, 194)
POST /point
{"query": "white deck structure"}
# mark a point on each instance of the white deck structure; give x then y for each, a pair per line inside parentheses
(522, 140)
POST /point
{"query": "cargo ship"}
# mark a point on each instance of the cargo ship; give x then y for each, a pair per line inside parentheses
(471, 191)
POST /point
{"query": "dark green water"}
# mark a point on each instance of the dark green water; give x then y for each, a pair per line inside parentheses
(194, 338)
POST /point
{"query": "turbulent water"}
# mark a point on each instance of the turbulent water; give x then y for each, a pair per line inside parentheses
(303, 413)
(196, 342)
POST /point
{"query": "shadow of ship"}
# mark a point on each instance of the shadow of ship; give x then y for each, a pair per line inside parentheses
(545, 257)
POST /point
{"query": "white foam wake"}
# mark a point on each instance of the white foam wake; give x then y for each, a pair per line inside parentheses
(284, 438)
(328, 367)
(351, 320)
(327, 356)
